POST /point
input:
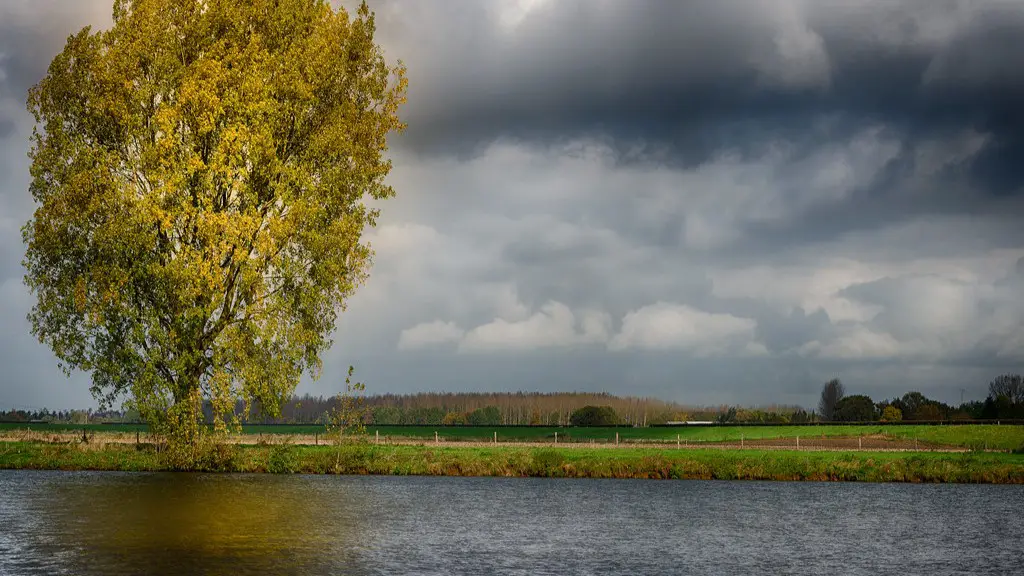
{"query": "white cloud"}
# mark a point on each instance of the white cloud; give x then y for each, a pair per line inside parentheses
(809, 287)
(403, 238)
(507, 305)
(554, 326)
(564, 233)
(799, 58)
(659, 326)
(429, 334)
(929, 316)
(511, 13)
(858, 343)
(665, 326)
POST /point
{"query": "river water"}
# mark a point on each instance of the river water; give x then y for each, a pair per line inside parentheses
(130, 523)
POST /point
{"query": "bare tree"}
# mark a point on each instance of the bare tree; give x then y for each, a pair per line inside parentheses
(831, 394)
(1008, 385)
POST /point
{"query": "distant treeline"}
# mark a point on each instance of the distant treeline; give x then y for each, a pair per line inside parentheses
(67, 416)
(1005, 401)
(499, 409)
(468, 408)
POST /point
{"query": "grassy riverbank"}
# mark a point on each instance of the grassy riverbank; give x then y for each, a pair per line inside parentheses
(540, 462)
(972, 436)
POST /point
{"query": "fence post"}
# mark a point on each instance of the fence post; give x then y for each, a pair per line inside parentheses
(741, 440)
(316, 438)
(377, 435)
(860, 443)
(677, 441)
(436, 441)
(616, 438)
(797, 442)
(136, 437)
(556, 437)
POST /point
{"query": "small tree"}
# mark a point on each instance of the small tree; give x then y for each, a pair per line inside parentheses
(454, 419)
(348, 415)
(891, 414)
(727, 416)
(800, 416)
(831, 393)
(930, 412)
(486, 416)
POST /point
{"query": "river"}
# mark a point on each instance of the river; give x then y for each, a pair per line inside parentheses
(86, 523)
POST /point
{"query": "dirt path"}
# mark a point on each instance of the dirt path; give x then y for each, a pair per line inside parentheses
(866, 443)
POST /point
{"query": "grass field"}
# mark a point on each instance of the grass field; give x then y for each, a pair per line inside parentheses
(541, 462)
(975, 436)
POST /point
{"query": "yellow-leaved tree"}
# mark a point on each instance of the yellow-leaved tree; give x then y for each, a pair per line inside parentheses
(201, 171)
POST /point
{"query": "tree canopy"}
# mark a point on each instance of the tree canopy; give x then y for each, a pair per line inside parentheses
(201, 171)
(594, 416)
(1005, 397)
(1009, 385)
(854, 408)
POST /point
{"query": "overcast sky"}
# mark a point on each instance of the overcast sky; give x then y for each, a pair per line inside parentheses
(708, 201)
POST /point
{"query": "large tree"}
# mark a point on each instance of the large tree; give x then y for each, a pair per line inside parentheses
(201, 171)
(831, 393)
(910, 403)
(855, 408)
(1009, 385)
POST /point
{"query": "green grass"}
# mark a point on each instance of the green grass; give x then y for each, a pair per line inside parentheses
(975, 436)
(43, 427)
(541, 462)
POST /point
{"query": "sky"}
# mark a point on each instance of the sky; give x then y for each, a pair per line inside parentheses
(716, 201)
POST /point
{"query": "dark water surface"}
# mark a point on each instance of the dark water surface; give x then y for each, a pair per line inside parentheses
(114, 523)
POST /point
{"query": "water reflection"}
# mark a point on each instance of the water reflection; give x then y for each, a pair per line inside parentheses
(103, 523)
(196, 524)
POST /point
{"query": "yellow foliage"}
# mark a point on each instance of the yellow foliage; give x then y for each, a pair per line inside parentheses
(199, 171)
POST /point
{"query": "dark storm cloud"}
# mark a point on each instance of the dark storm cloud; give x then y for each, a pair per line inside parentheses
(781, 333)
(649, 72)
(828, 174)
(31, 33)
(683, 84)
(684, 80)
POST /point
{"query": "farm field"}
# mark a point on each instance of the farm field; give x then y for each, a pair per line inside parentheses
(971, 436)
(975, 436)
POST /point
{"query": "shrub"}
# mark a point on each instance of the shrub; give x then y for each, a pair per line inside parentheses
(594, 416)
(892, 414)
